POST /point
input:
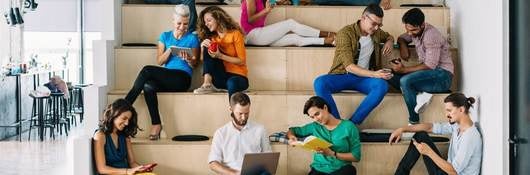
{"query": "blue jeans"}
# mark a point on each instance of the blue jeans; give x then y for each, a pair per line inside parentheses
(189, 3)
(432, 81)
(220, 78)
(346, 2)
(374, 88)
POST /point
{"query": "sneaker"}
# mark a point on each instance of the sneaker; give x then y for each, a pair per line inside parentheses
(412, 123)
(422, 100)
(205, 89)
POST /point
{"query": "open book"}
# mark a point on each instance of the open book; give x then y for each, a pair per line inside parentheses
(311, 143)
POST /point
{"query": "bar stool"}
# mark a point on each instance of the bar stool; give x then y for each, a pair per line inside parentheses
(38, 118)
(58, 112)
(77, 101)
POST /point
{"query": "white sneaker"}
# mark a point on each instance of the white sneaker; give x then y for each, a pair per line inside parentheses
(422, 100)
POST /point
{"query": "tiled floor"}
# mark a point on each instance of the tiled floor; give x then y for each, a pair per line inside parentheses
(36, 157)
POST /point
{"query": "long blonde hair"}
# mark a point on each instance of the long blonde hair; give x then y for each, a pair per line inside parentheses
(224, 22)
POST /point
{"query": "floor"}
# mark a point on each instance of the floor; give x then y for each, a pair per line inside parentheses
(35, 157)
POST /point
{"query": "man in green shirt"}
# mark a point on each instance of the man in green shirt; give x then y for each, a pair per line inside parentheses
(344, 136)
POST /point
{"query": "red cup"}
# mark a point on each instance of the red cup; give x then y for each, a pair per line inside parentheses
(213, 47)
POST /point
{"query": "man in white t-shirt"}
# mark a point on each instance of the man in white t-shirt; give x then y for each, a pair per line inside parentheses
(465, 148)
(357, 64)
(236, 138)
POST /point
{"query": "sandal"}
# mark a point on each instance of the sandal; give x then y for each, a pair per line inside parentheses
(155, 136)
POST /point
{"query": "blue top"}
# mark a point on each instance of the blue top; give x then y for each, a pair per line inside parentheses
(116, 158)
(465, 148)
(189, 40)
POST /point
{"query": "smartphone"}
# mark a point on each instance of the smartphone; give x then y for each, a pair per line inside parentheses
(396, 61)
(148, 166)
(387, 70)
(176, 50)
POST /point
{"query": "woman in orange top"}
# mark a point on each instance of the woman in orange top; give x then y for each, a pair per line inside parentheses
(224, 54)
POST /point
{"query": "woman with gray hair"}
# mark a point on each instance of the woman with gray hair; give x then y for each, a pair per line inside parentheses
(175, 70)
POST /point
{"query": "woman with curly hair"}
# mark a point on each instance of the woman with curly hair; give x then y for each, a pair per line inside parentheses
(112, 141)
(224, 54)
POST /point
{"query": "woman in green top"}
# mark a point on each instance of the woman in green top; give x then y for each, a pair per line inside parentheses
(343, 134)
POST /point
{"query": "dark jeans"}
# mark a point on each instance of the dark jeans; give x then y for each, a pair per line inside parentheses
(346, 2)
(345, 170)
(153, 79)
(412, 155)
(222, 79)
(189, 3)
(432, 81)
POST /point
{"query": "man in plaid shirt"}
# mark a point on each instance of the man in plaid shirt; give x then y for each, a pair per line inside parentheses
(434, 72)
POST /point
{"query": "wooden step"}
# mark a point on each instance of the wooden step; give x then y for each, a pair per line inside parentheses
(186, 113)
(142, 23)
(270, 68)
(192, 157)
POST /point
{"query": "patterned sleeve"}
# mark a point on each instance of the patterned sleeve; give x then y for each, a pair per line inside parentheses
(344, 48)
(433, 42)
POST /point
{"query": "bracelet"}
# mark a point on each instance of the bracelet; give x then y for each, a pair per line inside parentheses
(336, 155)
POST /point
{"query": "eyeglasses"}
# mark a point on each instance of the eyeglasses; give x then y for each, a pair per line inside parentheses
(374, 23)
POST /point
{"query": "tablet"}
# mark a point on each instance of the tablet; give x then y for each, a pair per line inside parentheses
(176, 50)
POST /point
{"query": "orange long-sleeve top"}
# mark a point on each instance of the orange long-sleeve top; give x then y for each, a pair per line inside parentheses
(233, 44)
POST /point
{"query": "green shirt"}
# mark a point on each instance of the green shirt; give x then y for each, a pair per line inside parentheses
(345, 139)
(347, 49)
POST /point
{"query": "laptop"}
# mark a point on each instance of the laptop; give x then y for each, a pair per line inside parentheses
(260, 163)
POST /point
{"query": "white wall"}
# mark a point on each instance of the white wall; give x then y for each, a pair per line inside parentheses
(480, 32)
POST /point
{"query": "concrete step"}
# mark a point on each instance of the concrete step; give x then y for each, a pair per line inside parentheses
(139, 24)
(192, 157)
(270, 68)
(186, 113)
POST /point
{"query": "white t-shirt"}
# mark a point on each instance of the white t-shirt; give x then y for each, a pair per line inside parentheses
(367, 47)
(230, 145)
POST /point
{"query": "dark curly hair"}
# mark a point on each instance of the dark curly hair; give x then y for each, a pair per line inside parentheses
(224, 22)
(112, 112)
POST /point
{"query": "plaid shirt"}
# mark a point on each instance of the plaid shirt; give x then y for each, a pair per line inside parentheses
(432, 48)
(347, 50)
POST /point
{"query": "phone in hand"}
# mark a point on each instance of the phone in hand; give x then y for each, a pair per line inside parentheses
(148, 167)
(395, 61)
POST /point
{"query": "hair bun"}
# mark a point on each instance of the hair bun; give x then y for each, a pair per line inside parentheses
(471, 100)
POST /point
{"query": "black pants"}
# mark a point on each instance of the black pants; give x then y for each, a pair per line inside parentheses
(413, 155)
(345, 170)
(222, 79)
(153, 79)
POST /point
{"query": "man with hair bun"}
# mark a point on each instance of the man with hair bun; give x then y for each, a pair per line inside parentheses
(465, 148)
